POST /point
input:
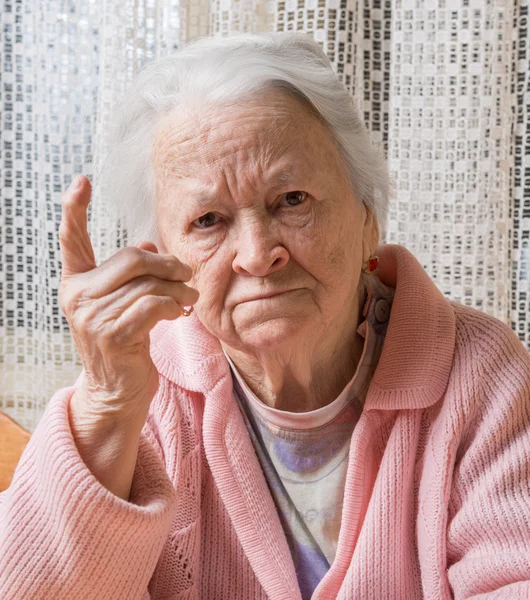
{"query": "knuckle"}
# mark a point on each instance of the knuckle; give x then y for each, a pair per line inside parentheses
(80, 321)
(123, 328)
(115, 335)
(173, 262)
(83, 317)
(134, 255)
(184, 269)
(146, 303)
(72, 300)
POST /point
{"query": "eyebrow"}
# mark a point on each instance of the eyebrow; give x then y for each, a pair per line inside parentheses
(282, 178)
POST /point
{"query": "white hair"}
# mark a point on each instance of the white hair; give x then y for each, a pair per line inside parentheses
(232, 69)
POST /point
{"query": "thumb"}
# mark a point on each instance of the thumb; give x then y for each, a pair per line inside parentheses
(77, 254)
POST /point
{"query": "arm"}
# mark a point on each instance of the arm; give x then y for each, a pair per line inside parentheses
(107, 444)
(488, 534)
(64, 535)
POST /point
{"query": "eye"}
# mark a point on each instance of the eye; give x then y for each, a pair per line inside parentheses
(206, 221)
(295, 198)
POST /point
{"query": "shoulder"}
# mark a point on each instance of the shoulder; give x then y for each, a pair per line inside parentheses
(490, 381)
(484, 342)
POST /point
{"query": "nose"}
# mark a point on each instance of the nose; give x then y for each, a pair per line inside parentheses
(259, 252)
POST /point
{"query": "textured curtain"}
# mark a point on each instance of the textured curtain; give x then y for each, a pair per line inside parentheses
(444, 85)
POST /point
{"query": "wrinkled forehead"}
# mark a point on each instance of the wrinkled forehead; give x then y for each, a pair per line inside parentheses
(257, 133)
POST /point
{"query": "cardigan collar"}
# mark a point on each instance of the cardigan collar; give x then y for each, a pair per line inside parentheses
(414, 366)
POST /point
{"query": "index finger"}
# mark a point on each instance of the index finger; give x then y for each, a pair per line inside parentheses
(77, 254)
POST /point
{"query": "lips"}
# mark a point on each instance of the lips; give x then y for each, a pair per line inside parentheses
(267, 295)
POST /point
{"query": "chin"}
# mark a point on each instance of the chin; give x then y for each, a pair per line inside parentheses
(273, 332)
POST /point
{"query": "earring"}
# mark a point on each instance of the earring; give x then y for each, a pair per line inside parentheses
(370, 266)
(186, 312)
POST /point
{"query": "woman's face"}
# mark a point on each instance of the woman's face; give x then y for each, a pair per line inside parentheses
(256, 201)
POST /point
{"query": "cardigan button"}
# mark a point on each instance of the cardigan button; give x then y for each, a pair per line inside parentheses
(382, 310)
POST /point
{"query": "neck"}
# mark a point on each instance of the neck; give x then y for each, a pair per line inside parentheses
(308, 375)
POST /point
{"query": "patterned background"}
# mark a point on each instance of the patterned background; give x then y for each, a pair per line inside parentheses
(444, 85)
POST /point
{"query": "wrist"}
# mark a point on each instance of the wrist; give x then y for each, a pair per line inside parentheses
(102, 410)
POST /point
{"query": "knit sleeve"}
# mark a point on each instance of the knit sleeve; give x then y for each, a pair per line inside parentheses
(64, 535)
(488, 533)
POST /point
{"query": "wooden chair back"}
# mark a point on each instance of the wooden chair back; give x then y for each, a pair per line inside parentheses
(13, 440)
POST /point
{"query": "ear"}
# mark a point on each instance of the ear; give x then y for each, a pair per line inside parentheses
(370, 234)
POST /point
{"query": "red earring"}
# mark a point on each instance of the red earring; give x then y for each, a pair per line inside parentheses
(371, 266)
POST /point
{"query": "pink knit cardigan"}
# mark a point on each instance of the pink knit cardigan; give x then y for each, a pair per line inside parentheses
(437, 499)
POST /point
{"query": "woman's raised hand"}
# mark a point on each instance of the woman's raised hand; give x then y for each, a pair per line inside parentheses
(111, 309)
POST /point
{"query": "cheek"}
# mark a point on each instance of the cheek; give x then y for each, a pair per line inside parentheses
(344, 252)
(336, 259)
(194, 257)
(211, 289)
(211, 268)
(319, 248)
(331, 251)
(211, 277)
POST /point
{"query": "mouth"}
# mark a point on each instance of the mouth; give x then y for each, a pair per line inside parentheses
(266, 296)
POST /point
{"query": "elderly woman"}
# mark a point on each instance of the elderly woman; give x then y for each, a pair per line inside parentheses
(321, 422)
